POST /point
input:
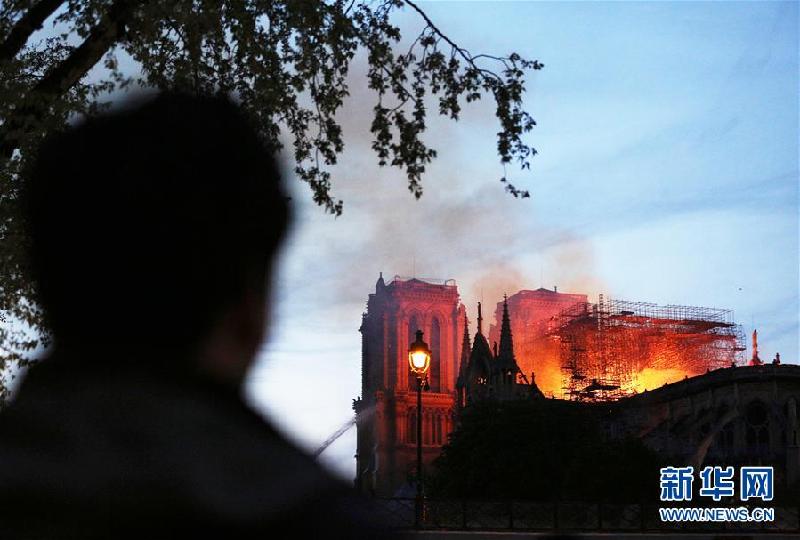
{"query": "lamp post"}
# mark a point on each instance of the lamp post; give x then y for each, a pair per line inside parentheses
(419, 360)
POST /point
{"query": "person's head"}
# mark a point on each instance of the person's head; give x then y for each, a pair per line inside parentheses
(154, 228)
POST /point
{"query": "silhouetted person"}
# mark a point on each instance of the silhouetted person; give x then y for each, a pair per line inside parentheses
(153, 235)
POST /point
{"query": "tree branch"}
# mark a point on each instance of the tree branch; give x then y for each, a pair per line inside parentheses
(464, 54)
(107, 32)
(61, 78)
(26, 26)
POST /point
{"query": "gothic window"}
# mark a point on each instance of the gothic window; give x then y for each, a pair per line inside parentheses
(790, 414)
(413, 326)
(725, 438)
(430, 428)
(704, 430)
(434, 376)
(411, 424)
(757, 428)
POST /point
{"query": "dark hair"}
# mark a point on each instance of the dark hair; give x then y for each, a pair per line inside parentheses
(145, 224)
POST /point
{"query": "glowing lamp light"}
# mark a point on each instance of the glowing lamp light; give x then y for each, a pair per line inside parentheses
(419, 356)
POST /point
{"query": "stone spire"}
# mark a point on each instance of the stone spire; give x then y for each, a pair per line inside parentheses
(506, 359)
(505, 369)
(755, 360)
(479, 369)
(380, 284)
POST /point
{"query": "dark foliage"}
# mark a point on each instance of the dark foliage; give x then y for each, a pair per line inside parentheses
(542, 450)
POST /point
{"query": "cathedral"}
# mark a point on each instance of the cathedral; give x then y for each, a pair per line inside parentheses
(460, 372)
(735, 413)
(485, 372)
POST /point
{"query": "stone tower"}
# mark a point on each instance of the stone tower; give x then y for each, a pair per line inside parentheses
(386, 412)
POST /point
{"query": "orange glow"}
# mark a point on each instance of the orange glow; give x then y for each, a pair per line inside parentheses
(650, 379)
(610, 350)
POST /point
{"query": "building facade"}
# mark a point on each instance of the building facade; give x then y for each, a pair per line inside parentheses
(460, 372)
(746, 415)
(386, 417)
(737, 415)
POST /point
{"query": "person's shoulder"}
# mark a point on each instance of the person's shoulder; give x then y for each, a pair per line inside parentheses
(138, 445)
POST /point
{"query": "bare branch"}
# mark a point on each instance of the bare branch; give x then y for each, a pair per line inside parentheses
(433, 27)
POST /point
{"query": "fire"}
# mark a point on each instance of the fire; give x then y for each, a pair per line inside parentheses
(657, 362)
(651, 378)
(614, 348)
(549, 379)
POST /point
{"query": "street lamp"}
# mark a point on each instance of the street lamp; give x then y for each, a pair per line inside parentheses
(419, 360)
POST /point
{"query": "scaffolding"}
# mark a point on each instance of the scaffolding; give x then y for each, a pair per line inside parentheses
(429, 281)
(616, 348)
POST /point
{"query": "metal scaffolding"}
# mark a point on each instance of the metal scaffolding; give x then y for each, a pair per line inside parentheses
(616, 348)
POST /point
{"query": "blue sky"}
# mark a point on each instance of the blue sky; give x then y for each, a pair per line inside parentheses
(667, 172)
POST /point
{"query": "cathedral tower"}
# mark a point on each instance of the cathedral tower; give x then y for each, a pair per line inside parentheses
(386, 412)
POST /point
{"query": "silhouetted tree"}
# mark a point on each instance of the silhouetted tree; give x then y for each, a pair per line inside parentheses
(542, 450)
(285, 61)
